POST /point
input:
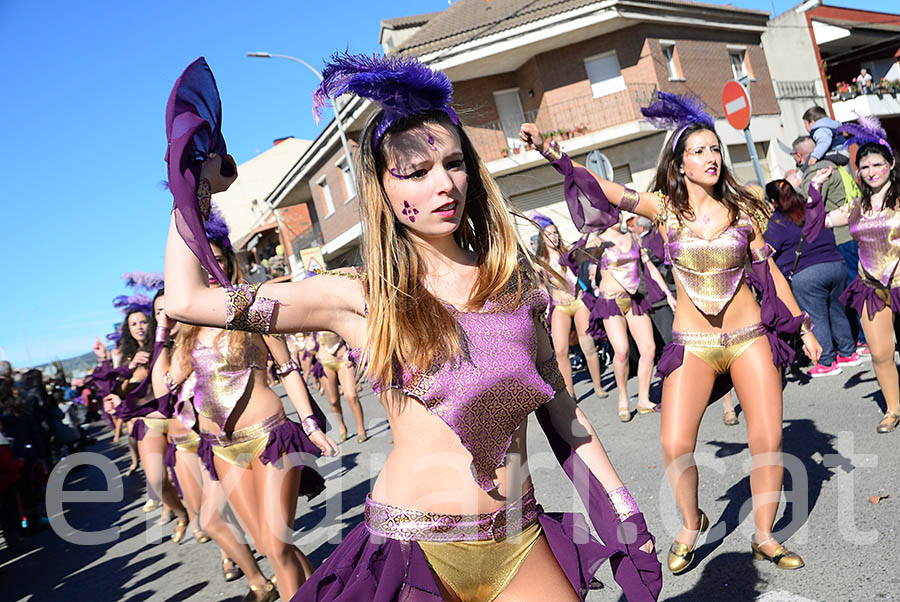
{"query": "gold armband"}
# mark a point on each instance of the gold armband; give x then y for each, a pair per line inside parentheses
(247, 311)
(551, 152)
(630, 199)
(761, 254)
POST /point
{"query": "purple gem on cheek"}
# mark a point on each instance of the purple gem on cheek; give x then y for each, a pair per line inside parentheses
(409, 211)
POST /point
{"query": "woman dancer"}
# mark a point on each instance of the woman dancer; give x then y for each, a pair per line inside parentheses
(135, 401)
(447, 321)
(568, 308)
(711, 227)
(338, 367)
(247, 442)
(622, 310)
(873, 218)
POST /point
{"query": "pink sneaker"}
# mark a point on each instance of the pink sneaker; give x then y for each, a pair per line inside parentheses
(852, 360)
(863, 349)
(820, 370)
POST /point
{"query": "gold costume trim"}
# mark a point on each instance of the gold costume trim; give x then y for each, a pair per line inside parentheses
(719, 349)
(188, 442)
(245, 445)
(159, 425)
(570, 309)
(623, 300)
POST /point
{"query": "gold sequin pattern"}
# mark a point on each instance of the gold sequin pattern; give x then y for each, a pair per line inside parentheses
(878, 235)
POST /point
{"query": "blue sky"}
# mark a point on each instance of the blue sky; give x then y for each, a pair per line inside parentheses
(85, 87)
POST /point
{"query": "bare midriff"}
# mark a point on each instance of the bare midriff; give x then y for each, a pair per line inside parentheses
(429, 469)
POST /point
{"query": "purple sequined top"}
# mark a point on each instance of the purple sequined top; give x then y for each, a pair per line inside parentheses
(485, 396)
(221, 385)
(878, 235)
(623, 265)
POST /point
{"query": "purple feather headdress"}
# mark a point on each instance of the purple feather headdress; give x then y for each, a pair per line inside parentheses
(216, 228)
(868, 129)
(402, 86)
(137, 302)
(541, 220)
(114, 336)
(676, 112)
(149, 281)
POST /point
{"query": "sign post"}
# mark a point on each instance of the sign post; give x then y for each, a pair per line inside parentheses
(738, 108)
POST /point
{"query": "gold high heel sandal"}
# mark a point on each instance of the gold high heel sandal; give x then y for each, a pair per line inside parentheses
(267, 589)
(200, 536)
(888, 423)
(180, 530)
(231, 571)
(781, 557)
(681, 555)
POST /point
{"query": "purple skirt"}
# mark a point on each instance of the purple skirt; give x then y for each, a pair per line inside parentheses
(860, 295)
(602, 308)
(318, 370)
(169, 462)
(371, 567)
(139, 429)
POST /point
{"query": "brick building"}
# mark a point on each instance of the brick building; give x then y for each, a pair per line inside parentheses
(580, 69)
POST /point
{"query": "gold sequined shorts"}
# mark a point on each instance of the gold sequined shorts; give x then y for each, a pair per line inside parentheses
(188, 442)
(245, 445)
(570, 309)
(332, 364)
(623, 300)
(158, 425)
(477, 556)
(719, 349)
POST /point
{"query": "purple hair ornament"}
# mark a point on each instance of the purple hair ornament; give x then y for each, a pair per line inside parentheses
(542, 220)
(148, 281)
(216, 229)
(402, 86)
(114, 336)
(137, 302)
(867, 129)
(676, 112)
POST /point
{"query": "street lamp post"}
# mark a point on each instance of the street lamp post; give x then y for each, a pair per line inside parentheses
(337, 116)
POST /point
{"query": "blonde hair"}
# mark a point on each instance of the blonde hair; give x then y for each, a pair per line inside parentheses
(407, 327)
(238, 343)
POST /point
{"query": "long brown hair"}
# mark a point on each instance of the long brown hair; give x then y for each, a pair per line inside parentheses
(787, 201)
(670, 181)
(407, 327)
(239, 342)
(892, 195)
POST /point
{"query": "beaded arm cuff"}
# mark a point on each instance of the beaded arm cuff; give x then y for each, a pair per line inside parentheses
(551, 152)
(171, 385)
(630, 199)
(762, 254)
(309, 425)
(807, 325)
(248, 312)
(204, 197)
(287, 367)
(162, 334)
(548, 370)
(623, 504)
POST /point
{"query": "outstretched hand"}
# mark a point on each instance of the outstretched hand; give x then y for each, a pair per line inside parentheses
(212, 170)
(530, 135)
(821, 176)
(325, 443)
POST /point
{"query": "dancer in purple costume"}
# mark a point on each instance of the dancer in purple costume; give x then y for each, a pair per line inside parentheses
(246, 441)
(621, 309)
(874, 220)
(567, 307)
(711, 228)
(446, 319)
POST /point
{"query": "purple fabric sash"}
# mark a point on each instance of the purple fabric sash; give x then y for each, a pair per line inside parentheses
(604, 308)
(289, 438)
(815, 215)
(169, 463)
(193, 131)
(204, 450)
(139, 429)
(774, 314)
(103, 380)
(131, 406)
(318, 370)
(860, 296)
(588, 205)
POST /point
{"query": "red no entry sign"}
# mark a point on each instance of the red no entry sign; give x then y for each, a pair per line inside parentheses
(736, 102)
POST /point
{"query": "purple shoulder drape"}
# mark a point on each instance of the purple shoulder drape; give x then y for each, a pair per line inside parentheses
(588, 205)
(193, 131)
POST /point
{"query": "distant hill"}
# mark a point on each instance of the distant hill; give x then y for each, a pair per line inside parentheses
(73, 367)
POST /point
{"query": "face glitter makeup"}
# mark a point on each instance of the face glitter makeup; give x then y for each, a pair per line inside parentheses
(409, 211)
(397, 174)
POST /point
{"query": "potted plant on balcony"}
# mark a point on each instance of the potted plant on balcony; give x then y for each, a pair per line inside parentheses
(582, 129)
(504, 152)
(563, 134)
(517, 149)
(893, 87)
(844, 91)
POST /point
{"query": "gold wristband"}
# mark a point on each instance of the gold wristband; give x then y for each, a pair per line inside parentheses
(630, 199)
(551, 152)
(248, 312)
(204, 197)
(806, 326)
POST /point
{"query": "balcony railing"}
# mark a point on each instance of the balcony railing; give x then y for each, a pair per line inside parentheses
(796, 89)
(575, 117)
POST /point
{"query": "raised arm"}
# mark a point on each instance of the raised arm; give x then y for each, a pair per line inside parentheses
(319, 303)
(641, 203)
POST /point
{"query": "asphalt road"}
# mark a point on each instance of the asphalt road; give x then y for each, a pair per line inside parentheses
(835, 462)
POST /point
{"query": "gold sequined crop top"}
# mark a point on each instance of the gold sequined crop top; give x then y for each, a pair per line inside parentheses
(221, 385)
(878, 235)
(624, 265)
(710, 270)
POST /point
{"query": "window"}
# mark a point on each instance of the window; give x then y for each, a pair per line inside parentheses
(738, 59)
(509, 108)
(349, 184)
(622, 175)
(668, 49)
(604, 74)
(326, 196)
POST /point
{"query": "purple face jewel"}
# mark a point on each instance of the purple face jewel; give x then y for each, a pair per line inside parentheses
(431, 141)
(409, 211)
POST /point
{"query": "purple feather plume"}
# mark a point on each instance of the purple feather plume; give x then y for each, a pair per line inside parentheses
(137, 302)
(868, 129)
(216, 229)
(149, 281)
(114, 336)
(674, 111)
(541, 220)
(402, 86)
